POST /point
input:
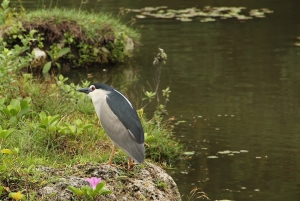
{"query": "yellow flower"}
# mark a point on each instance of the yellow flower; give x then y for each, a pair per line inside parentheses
(6, 151)
(16, 196)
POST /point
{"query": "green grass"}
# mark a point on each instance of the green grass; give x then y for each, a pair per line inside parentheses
(54, 125)
(86, 38)
(90, 23)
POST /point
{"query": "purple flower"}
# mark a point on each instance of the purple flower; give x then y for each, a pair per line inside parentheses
(93, 181)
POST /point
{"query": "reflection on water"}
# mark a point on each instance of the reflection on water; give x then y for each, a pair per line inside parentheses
(237, 87)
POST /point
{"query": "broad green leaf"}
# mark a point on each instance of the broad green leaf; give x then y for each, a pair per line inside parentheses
(24, 104)
(76, 191)
(42, 115)
(88, 126)
(62, 52)
(24, 108)
(54, 120)
(6, 133)
(42, 126)
(13, 112)
(23, 111)
(15, 103)
(72, 129)
(47, 67)
(5, 111)
(13, 120)
(99, 186)
(104, 191)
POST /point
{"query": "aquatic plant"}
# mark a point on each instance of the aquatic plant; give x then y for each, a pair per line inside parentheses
(206, 14)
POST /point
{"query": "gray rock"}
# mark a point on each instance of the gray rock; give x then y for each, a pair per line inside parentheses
(144, 182)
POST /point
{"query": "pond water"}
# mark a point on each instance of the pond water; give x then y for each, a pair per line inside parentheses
(236, 86)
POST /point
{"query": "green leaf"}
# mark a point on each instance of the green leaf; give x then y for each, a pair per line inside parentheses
(6, 133)
(76, 191)
(13, 120)
(23, 111)
(99, 186)
(88, 126)
(30, 168)
(104, 191)
(24, 108)
(15, 103)
(6, 111)
(47, 67)
(42, 126)
(72, 129)
(13, 112)
(54, 120)
(58, 66)
(42, 115)
(150, 138)
(24, 104)
(62, 52)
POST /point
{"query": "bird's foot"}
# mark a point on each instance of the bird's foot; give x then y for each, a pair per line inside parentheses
(130, 163)
(110, 163)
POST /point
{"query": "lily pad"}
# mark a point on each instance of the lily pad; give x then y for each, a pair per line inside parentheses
(209, 13)
(140, 16)
(189, 153)
(212, 157)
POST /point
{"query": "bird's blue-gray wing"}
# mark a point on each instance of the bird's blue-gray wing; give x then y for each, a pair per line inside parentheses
(123, 109)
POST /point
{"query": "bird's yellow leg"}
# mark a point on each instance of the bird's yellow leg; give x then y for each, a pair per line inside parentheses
(109, 162)
(130, 163)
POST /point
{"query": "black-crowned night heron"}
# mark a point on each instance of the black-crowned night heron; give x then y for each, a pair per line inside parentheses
(119, 120)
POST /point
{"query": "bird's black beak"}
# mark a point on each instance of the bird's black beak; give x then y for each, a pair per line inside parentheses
(85, 90)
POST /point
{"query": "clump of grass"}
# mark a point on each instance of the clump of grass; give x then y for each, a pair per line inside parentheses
(92, 25)
(89, 37)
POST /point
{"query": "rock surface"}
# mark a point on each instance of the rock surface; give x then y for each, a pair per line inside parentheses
(144, 182)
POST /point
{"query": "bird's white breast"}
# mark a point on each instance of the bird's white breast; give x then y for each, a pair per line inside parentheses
(98, 97)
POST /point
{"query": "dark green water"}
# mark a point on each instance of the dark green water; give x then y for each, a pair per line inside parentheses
(237, 87)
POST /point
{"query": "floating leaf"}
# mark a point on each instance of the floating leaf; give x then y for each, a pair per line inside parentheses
(140, 16)
(189, 153)
(212, 157)
(224, 152)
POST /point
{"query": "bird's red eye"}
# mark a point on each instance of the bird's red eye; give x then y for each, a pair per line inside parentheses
(92, 87)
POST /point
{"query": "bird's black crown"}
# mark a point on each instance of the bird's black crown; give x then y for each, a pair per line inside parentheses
(103, 86)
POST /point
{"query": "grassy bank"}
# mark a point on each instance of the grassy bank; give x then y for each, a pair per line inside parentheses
(67, 37)
(47, 123)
